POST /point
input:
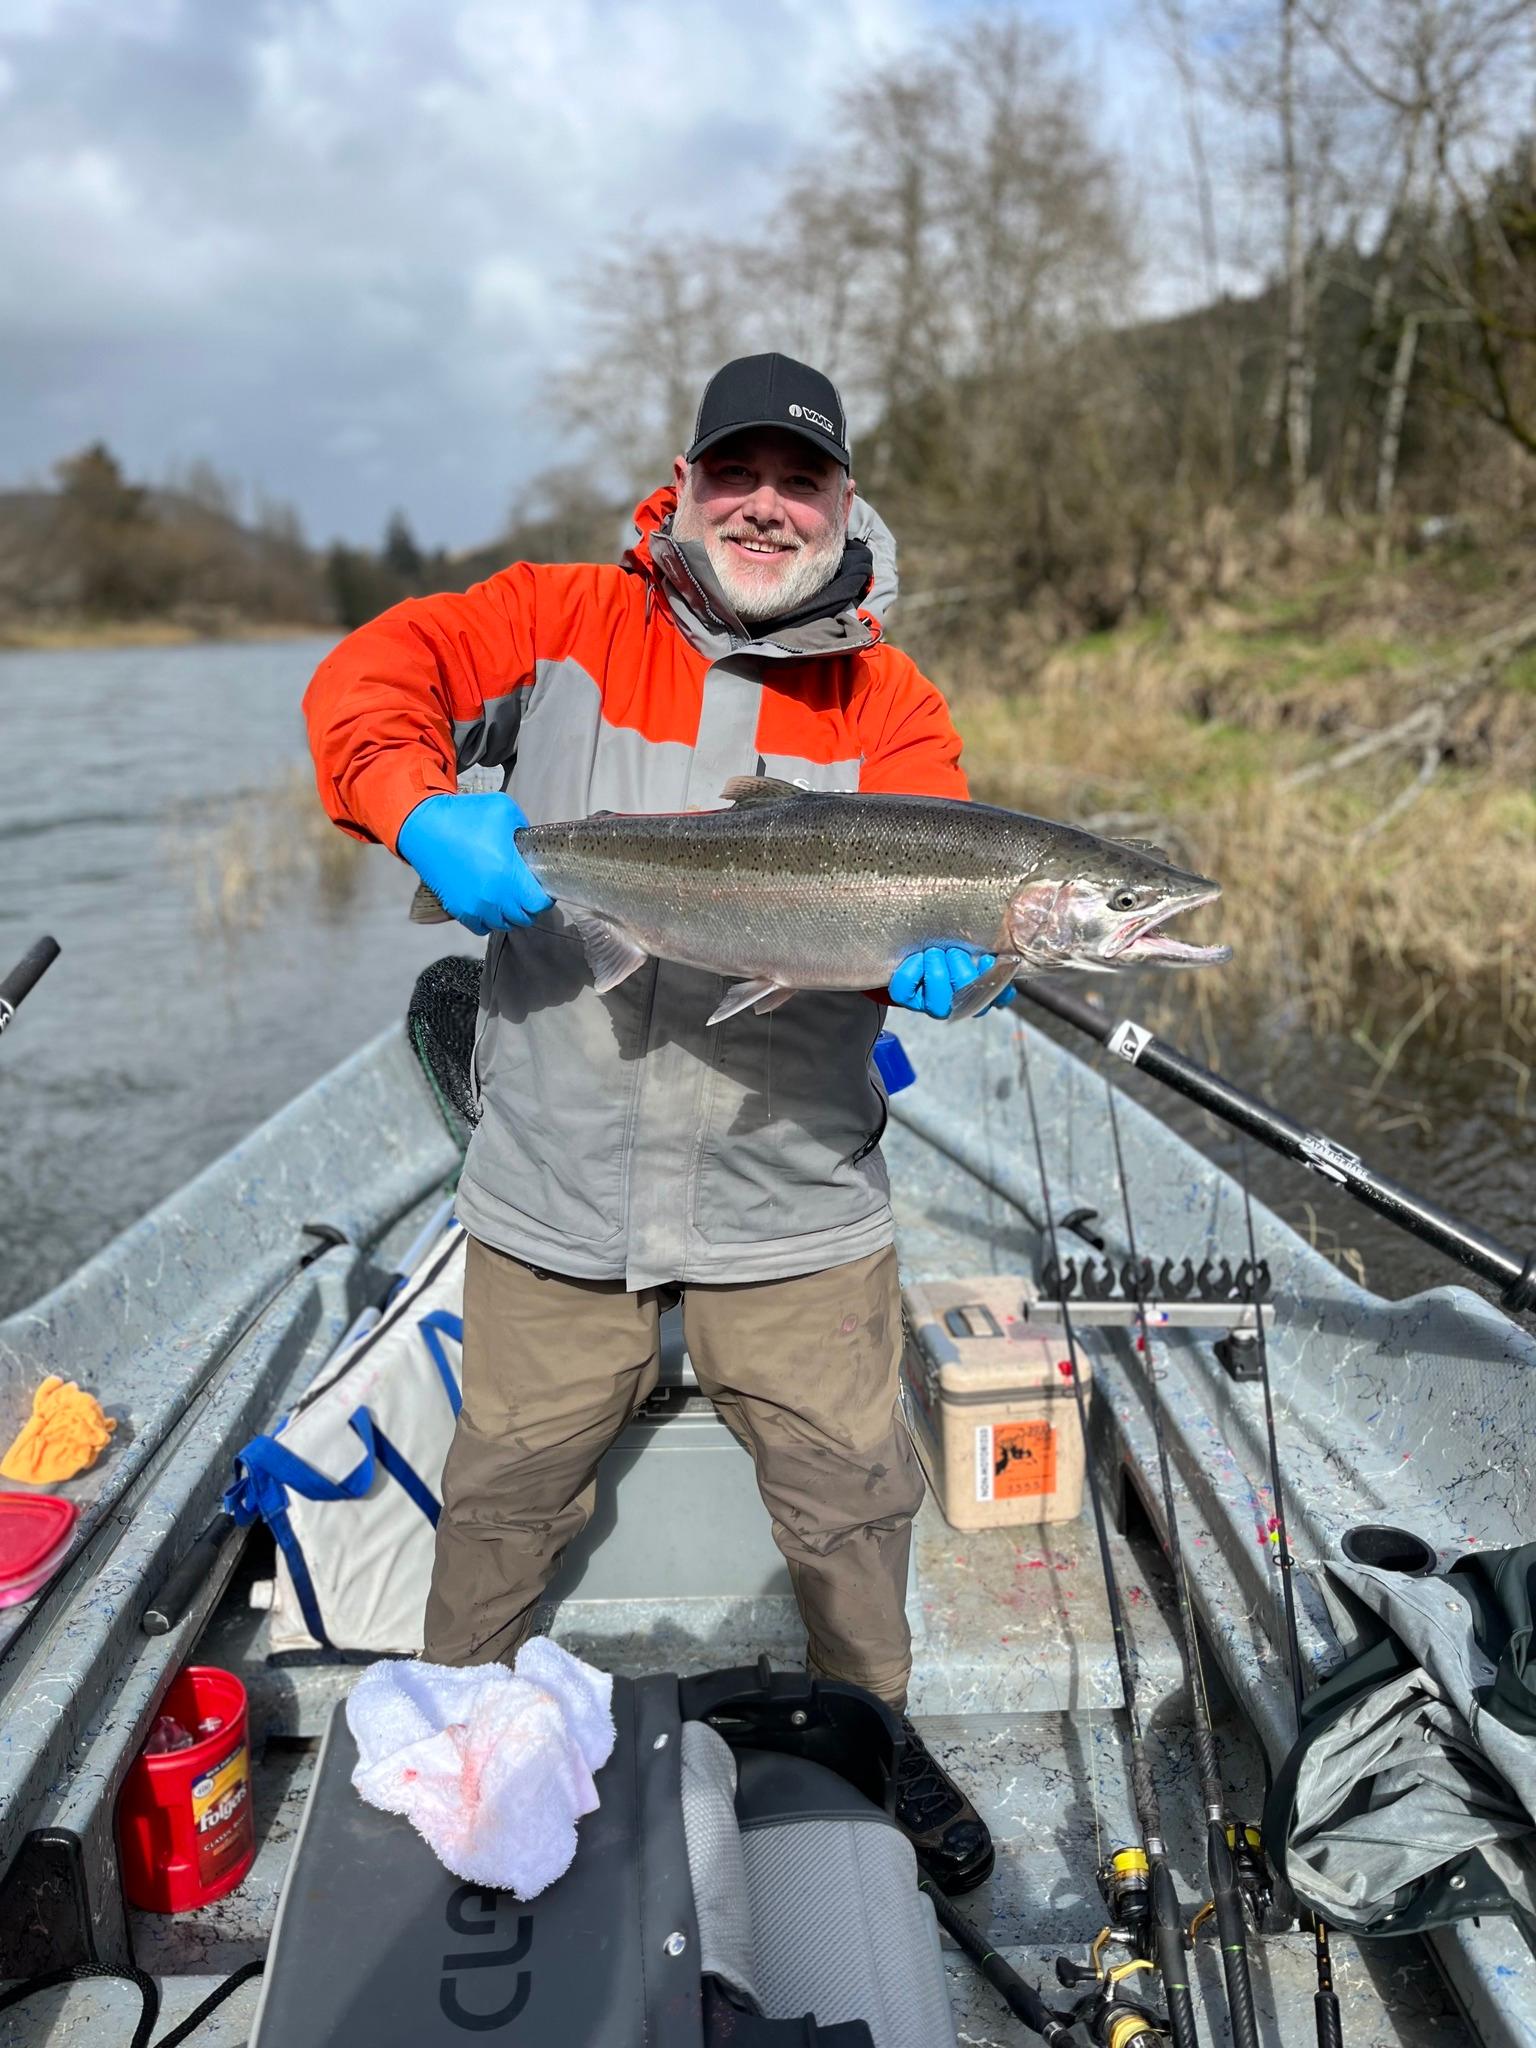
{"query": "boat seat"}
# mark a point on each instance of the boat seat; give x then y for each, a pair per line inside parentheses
(722, 1892)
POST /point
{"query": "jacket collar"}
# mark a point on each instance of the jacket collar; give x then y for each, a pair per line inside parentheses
(681, 571)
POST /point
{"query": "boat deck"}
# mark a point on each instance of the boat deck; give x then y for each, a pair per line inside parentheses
(1015, 1688)
(1015, 1680)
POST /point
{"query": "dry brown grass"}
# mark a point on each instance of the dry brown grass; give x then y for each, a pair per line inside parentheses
(1361, 788)
(267, 846)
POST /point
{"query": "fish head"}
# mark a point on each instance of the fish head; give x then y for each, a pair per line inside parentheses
(1104, 907)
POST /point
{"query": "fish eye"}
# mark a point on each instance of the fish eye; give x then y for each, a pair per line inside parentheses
(1125, 899)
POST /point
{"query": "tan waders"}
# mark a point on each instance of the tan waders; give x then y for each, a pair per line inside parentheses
(804, 1372)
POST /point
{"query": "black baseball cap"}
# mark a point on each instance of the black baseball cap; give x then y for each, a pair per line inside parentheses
(772, 391)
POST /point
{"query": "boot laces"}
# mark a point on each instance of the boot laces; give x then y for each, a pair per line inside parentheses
(923, 1793)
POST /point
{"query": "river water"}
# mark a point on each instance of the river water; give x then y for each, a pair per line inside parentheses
(152, 817)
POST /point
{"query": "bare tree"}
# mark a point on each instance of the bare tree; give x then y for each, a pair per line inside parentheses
(1298, 360)
(1452, 70)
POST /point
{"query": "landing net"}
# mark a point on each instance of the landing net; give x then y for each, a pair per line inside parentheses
(440, 1023)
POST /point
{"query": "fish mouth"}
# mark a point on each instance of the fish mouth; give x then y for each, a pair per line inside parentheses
(1143, 939)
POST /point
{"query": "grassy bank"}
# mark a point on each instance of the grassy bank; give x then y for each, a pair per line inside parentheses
(16, 633)
(1350, 751)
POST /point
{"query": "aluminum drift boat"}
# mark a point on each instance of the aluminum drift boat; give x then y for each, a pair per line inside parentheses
(202, 1324)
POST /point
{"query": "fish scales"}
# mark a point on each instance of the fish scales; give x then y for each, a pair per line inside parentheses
(826, 891)
(802, 889)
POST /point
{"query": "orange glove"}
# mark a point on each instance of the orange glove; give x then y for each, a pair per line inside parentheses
(65, 1434)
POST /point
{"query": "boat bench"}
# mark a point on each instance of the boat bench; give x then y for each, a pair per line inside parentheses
(741, 1882)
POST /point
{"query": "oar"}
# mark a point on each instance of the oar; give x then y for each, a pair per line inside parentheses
(1473, 1248)
(25, 975)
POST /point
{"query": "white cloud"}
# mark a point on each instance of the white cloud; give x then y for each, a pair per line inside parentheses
(349, 230)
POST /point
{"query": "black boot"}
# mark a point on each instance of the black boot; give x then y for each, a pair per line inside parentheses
(953, 1844)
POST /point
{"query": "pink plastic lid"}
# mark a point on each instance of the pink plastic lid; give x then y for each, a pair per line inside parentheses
(34, 1527)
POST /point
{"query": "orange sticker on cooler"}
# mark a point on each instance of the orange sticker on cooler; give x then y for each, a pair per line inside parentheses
(1015, 1460)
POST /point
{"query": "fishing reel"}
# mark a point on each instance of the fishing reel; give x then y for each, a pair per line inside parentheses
(1125, 1885)
(1264, 1910)
(1113, 2021)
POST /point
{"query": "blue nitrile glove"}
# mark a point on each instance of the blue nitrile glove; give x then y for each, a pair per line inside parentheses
(462, 848)
(931, 980)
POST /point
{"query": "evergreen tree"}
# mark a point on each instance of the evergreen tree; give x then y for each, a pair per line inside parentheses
(401, 556)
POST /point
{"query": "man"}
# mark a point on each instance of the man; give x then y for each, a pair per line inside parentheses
(625, 1152)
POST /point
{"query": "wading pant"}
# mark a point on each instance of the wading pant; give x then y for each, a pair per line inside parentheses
(804, 1374)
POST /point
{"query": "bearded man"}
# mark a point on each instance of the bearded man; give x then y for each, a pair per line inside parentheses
(624, 1153)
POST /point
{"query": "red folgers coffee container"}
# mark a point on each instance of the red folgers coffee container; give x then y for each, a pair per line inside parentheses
(184, 1815)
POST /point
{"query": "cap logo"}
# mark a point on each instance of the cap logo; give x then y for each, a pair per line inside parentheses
(817, 419)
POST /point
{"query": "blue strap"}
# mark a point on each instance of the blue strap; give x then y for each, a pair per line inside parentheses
(298, 1571)
(264, 1471)
(267, 1468)
(405, 1476)
(441, 1323)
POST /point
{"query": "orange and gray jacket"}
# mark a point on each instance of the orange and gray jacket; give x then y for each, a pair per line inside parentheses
(618, 1136)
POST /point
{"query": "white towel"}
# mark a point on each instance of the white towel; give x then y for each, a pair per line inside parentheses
(492, 1767)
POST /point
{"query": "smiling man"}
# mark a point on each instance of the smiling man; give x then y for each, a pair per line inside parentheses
(626, 1154)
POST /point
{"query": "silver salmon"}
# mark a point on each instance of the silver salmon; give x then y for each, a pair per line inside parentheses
(801, 889)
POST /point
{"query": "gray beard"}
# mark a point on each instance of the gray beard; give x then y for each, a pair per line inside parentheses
(811, 570)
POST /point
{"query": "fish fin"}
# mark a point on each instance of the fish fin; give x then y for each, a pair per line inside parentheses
(776, 1001)
(746, 995)
(425, 908)
(1146, 846)
(745, 790)
(986, 988)
(612, 954)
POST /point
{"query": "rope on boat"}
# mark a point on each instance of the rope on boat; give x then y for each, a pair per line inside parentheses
(149, 1994)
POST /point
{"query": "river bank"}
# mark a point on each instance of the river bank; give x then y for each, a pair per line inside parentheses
(43, 635)
(1349, 750)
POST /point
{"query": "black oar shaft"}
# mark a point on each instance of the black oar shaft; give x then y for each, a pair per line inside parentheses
(25, 975)
(1472, 1248)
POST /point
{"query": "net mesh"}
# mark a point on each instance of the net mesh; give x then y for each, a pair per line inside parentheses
(440, 1023)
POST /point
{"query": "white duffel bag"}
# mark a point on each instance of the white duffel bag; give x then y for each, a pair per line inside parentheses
(350, 1482)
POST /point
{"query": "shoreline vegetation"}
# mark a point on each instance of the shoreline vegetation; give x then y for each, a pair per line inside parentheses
(44, 635)
(1349, 749)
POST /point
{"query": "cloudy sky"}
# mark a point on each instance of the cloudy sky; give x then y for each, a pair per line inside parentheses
(329, 244)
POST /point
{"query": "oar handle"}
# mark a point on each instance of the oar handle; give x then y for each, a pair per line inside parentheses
(1484, 1255)
(25, 975)
(176, 1595)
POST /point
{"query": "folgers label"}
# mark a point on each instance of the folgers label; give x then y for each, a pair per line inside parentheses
(186, 1829)
(221, 1815)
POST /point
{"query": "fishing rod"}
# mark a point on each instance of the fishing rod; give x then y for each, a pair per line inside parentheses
(1231, 1933)
(25, 975)
(1021, 1998)
(1138, 1888)
(1472, 1248)
(1325, 2003)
